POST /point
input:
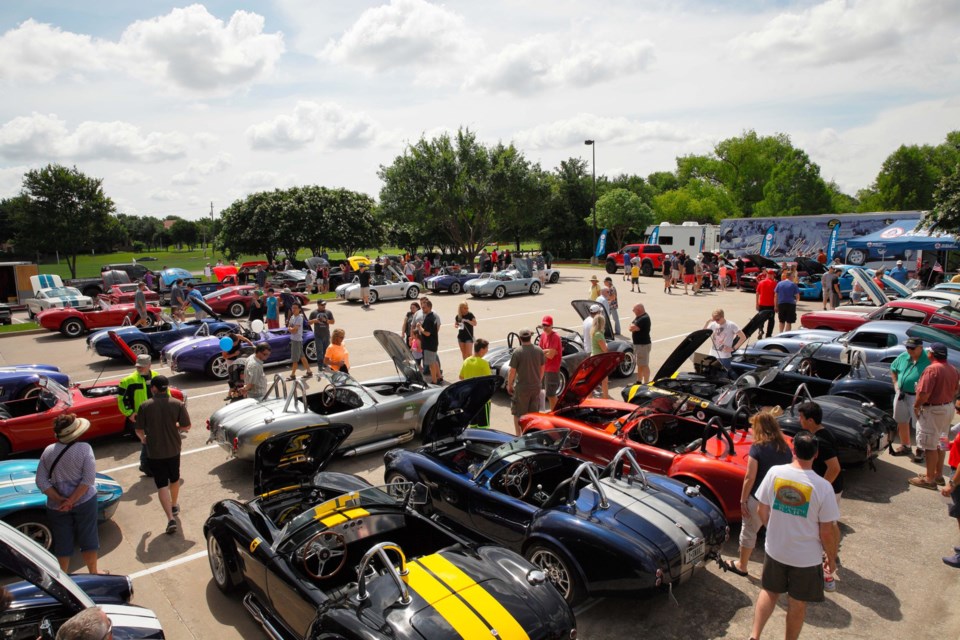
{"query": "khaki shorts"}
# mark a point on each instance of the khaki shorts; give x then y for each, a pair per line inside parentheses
(934, 422)
(903, 407)
(801, 583)
(551, 382)
(642, 351)
(525, 400)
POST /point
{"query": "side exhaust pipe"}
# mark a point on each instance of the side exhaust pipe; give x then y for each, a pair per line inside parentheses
(379, 444)
(250, 604)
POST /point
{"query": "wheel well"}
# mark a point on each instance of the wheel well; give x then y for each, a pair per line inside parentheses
(705, 489)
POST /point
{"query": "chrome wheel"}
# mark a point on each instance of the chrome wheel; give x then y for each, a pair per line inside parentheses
(398, 486)
(310, 350)
(628, 365)
(556, 569)
(535, 288)
(219, 368)
(499, 292)
(34, 526)
(236, 310)
(139, 348)
(218, 564)
(72, 328)
(455, 288)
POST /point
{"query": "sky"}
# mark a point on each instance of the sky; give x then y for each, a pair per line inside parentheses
(184, 107)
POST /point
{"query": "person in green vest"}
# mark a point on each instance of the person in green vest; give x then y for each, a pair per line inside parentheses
(474, 367)
(134, 391)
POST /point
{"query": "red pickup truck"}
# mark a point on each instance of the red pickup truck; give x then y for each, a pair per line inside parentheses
(650, 255)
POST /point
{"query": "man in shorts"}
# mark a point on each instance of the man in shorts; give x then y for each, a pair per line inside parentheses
(933, 408)
(689, 274)
(552, 348)
(140, 304)
(640, 332)
(525, 378)
(475, 367)
(788, 295)
(161, 422)
(364, 277)
(429, 330)
(800, 512)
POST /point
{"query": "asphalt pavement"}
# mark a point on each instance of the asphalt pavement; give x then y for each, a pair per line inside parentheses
(892, 582)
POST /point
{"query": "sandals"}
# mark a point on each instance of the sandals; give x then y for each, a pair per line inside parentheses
(730, 566)
(901, 451)
(291, 377)
(309, 375)
(923, 483)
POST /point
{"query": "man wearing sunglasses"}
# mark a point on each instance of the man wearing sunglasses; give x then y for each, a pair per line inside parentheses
(905, 372)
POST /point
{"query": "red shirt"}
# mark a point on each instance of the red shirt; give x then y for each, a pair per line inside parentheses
(552, 341)
(765, 294)
(939, 380)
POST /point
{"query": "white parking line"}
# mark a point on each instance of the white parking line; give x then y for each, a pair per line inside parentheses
(168, 565)
(137, 463)
(586, 606)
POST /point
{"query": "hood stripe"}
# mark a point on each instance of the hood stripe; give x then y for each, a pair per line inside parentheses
(451, 608)
(662, 516)
(478, 598)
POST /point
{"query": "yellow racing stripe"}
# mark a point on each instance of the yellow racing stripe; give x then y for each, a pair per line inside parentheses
(452, 609)
(338, 518)
(476, 596)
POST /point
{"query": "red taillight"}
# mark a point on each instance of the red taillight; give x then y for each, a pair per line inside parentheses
(208, 425)
(236, 444)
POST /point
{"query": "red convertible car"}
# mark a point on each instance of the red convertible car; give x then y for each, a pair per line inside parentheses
(27, 424)
(235, 301)
(73, 323)
(933, 314)
(665, 433)
(124, 294)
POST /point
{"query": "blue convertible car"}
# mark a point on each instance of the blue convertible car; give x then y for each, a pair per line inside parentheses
(151, 340)
(592, 530)
(21, 380)
(23, 506)
(449, 279)
(203, 355)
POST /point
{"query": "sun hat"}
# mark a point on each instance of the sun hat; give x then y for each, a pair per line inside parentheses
(144, 360)
(546, 321)
(72, 431)
(594, 279)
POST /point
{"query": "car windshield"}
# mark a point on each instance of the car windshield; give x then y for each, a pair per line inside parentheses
(62, 292)
(662, 403)
(929, 334)
(365, 498)
(550, 440)
(342, 380)
(55, 390)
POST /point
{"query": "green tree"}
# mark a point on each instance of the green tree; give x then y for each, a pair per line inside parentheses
(338, 218)
(795, 188)
(662, 181)
(249, 226)
(184, 232)
(841, 202)
(697, 201)
(562, 224)
(945, 215)
(622, 213)
(9, 208)
(457, 187)
(64, 211)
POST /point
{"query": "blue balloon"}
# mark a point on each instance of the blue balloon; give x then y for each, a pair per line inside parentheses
(226, 344)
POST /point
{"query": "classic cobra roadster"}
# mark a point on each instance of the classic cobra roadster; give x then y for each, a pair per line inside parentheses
(21, 380)
(73, 323)
(203, 354)
(384, 412)
(48, 597)
(449, 279)
(326, 555)
(592, 530)
(503, 283)
(392, 285)
(152, 340)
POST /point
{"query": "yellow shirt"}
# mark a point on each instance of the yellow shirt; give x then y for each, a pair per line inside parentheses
(635, 271)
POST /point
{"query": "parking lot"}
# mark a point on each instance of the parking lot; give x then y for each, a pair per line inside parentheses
(892, 581)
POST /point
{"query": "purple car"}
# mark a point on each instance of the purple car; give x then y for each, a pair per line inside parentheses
(449, 279)
(20, 380)
(203, 355)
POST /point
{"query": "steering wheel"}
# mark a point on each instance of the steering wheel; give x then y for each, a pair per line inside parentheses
(746, 418)
(714, 429)
(329, 549)
(743, 400)
(518, 479)
(648, 431)
(328, 397)
(805, 367)
(510, 339)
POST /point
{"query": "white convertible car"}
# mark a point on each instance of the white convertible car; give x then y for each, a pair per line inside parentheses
(391, 285)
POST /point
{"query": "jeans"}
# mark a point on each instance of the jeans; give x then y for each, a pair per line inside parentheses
(322, 342)
(615, 318)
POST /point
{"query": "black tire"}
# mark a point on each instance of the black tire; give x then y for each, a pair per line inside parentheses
(218, 368)
(33, 524)
(140, 348)
(857, 257)
(646, 269)
(413, 293)
(455, 288)
(220, 563)
(72, 328)
(564, 378)
(629, 365)
(560, 571)
(728, 282)
(555, 277)
(534, 288)
(611, 266)
(236, 310)
(500, 292)
(30, 314)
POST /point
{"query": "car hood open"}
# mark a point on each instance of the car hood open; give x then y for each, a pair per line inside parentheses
(588, 375)
(296, 456)
(582, 307)
(684, 350)
(875, 293)
(762, 261)
(457, 406)
(402, 358)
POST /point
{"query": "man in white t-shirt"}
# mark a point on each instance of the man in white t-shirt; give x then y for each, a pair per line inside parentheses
(727, 338)
(800, 511)
(595, 309)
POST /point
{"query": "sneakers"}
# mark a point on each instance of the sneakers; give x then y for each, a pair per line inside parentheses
(952, 561)
(829, 584)
(171, 527)
(175, 509)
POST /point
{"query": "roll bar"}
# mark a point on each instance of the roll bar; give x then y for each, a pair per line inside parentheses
(299, 389)
(717, 423)
(572, 495)
(796, 394)
(276, 387)
(380, 551)
(635, 468)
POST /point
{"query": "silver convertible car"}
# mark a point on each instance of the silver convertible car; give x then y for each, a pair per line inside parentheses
(383, 413)
(502, 283)
(392, 285)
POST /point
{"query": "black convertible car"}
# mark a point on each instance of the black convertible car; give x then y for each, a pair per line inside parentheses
(328, 556)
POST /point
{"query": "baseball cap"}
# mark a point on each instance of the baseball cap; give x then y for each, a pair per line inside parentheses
(525, 333)
(595, 308)
(144, 360)
(939, 350)
(321, 302)
(547, 321)
(160, 382)
(912, 343)
(899, 263)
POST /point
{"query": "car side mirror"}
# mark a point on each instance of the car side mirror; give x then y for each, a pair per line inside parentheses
(419, 494)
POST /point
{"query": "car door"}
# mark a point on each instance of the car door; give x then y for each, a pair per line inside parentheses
(279, 341)
(498, 516)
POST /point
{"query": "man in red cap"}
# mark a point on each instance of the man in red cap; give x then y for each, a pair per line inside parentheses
(553, 350)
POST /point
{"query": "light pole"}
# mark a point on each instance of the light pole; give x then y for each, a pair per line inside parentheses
(593, 249)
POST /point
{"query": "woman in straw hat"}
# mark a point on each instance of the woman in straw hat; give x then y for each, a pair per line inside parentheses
(594, 288)
(66, 474)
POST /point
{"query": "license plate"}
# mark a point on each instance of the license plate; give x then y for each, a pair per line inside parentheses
(695, 552)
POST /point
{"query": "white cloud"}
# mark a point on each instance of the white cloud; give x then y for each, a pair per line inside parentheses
(584, 126)
(187, 49)
(43, 137)
(163, 195)
(403, 33)
(130, 176)
(11, 180)
(837, 31)
(544, 62)
(197, 170)
(264, 180)
(327, 124)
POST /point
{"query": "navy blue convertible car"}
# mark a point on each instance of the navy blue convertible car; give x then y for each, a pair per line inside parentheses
(592, 530)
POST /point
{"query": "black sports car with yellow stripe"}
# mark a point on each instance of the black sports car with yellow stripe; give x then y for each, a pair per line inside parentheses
(324, 555)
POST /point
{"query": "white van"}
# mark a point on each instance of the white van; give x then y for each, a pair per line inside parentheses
(691, 237)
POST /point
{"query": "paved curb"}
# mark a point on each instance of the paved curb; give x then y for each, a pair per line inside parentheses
(28, 332)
